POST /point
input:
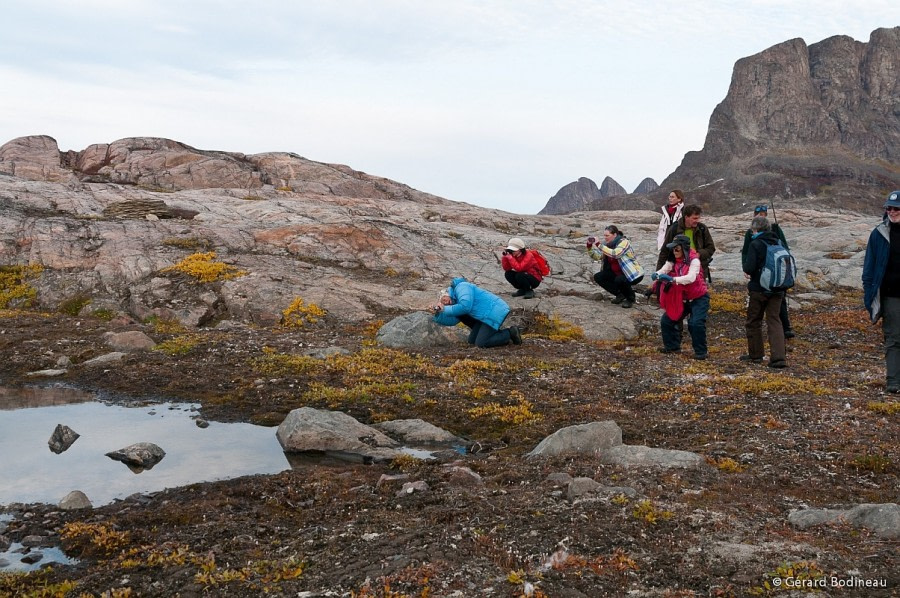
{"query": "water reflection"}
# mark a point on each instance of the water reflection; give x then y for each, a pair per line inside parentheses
(31, 472)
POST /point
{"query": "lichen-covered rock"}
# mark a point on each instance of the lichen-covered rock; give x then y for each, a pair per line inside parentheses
(142, 455)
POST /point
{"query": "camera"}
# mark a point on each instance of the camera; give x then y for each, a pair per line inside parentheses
(506, 252)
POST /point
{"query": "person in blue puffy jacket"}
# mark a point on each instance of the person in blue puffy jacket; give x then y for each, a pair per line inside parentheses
(482, 311)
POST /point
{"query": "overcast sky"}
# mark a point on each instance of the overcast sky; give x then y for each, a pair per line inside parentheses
(497, 103)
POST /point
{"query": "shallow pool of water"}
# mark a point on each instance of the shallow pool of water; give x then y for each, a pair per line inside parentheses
(31, 472)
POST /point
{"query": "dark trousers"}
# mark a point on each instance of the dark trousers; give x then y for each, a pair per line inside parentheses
(483, 336)
(783, 315)
(617, 284)
(521, 280)
(762, 305)
(696, 312)
(890, 325)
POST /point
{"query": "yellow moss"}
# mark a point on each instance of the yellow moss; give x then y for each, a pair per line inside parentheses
(556, 329)
(728, 301)
(378, 364)
(165, 325)
(178, 345)
(518, 414)
(34, 584)
(646, 511)
(370, 331)
(358, 393)
(884, 407)
(202, 268)
(279, 364)
(298, 314)
(728, 465)
(467, 371)
(92, 537)
(13, 286)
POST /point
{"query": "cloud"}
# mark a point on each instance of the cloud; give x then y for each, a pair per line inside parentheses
(507, 100)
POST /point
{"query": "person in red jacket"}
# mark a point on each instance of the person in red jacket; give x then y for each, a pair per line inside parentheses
(521, 268)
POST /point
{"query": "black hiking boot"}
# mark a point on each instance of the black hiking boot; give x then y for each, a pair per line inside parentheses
(515, 335)
(619, 299)
(519, 293)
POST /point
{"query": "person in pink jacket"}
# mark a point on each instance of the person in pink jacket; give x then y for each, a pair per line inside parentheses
(682, 276)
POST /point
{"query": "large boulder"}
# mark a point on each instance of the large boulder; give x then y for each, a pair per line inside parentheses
(417, 330)
(334, 433)
(583, 439)
(133, 340)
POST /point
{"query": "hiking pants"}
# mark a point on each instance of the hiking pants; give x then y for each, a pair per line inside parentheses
(616, 284)
(521, 280)
(483, 336)
(783, 315)
(890, 324)
(696, 311)
(768, 306)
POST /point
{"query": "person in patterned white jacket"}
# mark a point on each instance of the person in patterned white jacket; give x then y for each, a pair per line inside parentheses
(620, 270)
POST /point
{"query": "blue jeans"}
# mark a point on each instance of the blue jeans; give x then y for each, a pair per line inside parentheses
(483, 336)
(696, 312)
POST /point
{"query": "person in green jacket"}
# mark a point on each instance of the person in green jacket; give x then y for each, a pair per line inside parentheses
(763, 210)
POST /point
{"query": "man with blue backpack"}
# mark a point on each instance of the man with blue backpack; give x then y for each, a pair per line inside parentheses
(771, 270)
(763, 210)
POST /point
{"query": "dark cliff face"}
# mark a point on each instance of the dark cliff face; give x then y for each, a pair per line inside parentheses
(800, 120)
(580, 195)
(646, 186)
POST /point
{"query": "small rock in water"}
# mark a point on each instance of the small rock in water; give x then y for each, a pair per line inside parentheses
(62, 438)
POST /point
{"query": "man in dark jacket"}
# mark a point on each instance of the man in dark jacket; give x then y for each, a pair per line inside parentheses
(881, 285)
(763, 210)
(762, 302)
(701, 241)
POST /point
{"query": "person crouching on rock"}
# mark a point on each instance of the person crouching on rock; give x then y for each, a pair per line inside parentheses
(619, 270)
(521, 268)
(482, 311)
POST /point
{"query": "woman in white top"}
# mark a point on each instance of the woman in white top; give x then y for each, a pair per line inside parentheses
(671, 212)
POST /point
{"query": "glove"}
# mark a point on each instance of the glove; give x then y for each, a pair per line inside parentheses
(654, 276)
(591, 241)
(665, 278)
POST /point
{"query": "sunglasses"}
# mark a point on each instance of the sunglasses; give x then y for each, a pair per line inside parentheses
(759, 209)
(892, 209)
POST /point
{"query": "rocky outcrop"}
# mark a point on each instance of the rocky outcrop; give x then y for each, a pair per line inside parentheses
(610, 188)
(801, 118)
(646, 186)
(164, 165)
(580, 195)
(355, 256)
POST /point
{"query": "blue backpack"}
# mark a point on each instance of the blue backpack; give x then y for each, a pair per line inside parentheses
(779, 271)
